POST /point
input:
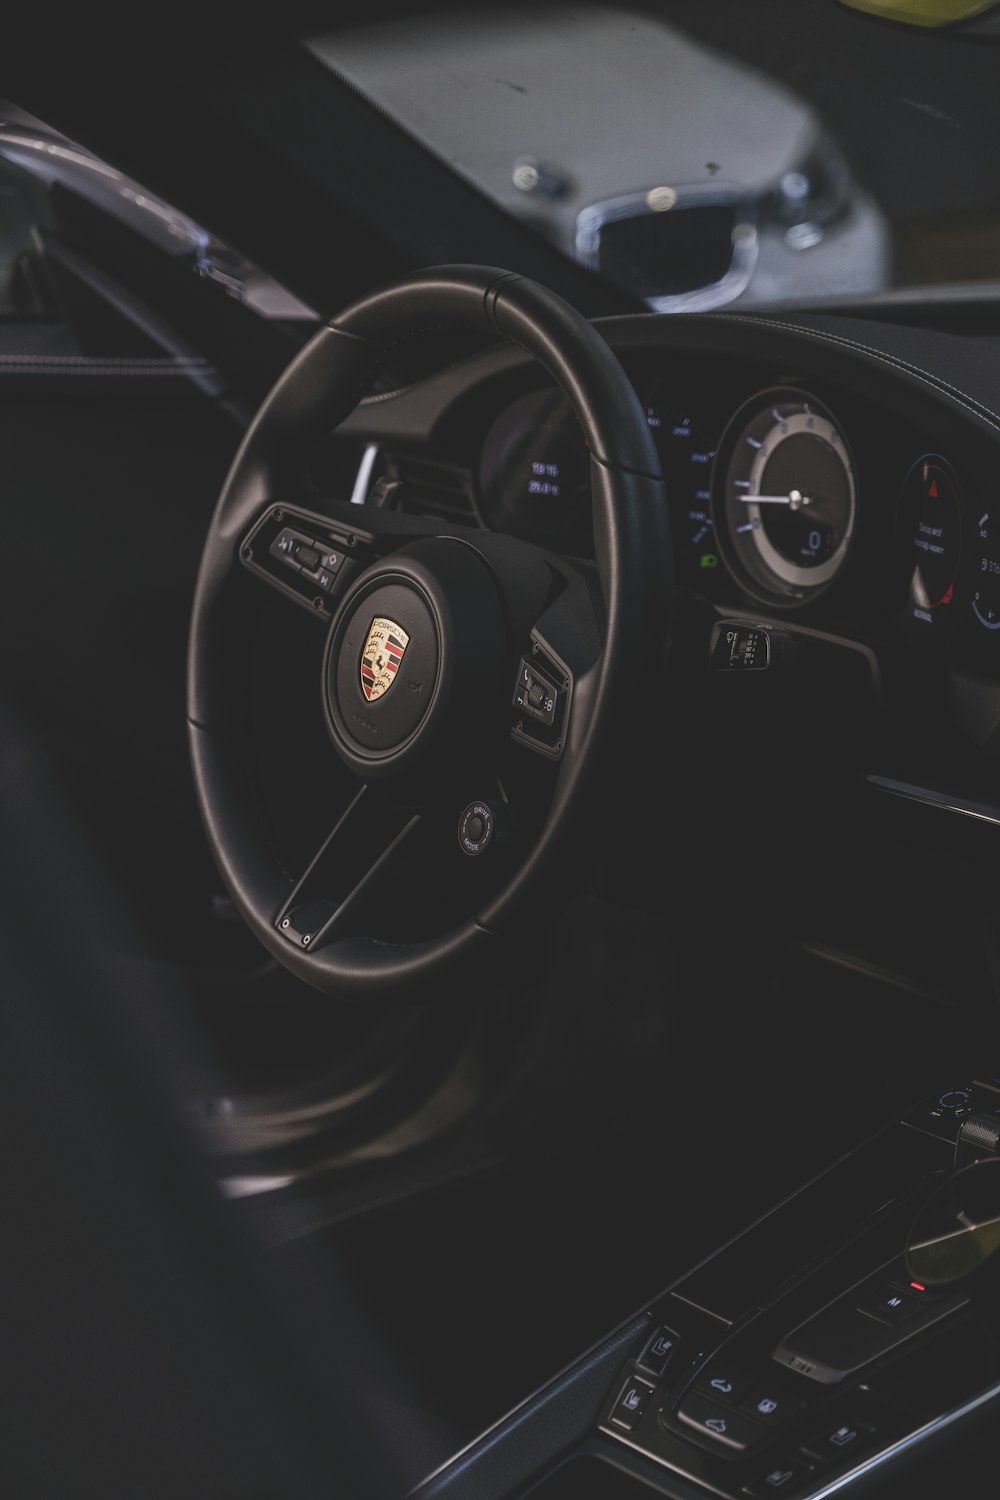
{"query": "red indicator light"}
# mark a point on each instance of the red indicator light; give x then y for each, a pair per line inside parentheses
(917, 1287)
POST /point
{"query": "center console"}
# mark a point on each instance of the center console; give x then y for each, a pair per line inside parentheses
(800, 1359)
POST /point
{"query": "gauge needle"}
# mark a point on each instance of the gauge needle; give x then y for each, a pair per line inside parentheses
(794, 498)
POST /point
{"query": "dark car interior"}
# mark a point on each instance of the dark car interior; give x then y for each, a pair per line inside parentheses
(500, 815)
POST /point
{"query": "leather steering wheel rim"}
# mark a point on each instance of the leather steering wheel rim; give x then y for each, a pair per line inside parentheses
(319, 389)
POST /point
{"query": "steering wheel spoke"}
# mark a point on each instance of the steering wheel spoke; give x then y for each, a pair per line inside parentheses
(312, 556)
(391, 872)
(353, 869)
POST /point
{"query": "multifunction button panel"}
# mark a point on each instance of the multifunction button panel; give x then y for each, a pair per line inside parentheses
(541, 700)
(303, 555)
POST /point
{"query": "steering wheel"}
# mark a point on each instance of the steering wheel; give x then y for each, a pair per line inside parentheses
(470, 682)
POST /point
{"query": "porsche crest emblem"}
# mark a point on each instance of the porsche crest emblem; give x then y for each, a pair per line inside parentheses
(381, 657)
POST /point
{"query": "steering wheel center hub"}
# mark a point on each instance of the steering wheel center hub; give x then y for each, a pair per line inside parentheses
(412, 658)
(382, 671)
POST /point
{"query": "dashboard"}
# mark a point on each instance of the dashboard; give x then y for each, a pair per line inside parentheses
(833, 488)
(815, 470)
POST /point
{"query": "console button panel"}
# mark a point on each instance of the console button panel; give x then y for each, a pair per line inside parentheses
(830, 1368)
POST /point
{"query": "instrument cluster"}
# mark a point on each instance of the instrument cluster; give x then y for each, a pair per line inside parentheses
(783, 497)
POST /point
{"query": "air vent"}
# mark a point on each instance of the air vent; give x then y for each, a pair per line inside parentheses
(430, 488)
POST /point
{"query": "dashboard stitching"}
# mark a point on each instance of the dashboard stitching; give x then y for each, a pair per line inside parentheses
(894, 361)
(889, 359)
(64, 370)
(86, 361)
(411, 333)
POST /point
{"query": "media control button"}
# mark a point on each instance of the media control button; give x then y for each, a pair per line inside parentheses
(284, 546)
(534, 694)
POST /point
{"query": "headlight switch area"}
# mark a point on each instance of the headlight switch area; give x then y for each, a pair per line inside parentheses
(737, 646)
(813, 1345)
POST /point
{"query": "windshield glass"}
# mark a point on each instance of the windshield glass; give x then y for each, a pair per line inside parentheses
(742, 151)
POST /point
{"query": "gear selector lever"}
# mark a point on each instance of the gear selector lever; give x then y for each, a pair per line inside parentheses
(956, 1236)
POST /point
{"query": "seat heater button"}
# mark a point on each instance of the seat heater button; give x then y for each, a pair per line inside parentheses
(631, 1404)
(720, 1423)
(778, 1480)
(834, 1444)
(659, 1351)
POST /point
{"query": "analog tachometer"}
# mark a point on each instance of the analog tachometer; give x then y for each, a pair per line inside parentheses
(784, 497)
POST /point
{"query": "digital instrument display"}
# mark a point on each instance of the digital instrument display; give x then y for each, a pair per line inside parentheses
(687, 449)
(534, 474)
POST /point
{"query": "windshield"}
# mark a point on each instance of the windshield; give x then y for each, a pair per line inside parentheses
(742, 151)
